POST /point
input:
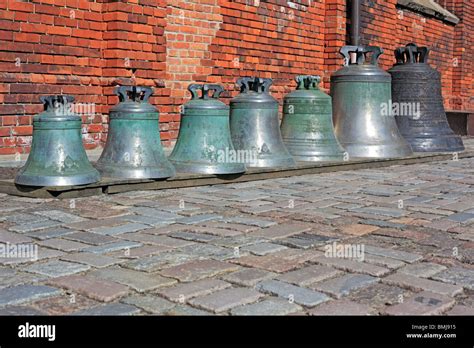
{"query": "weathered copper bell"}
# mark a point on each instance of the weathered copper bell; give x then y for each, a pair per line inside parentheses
(418, 103)
(254, 125)
(361, 92)
(57, 156)
(204, 144)
(133, 149)
(307, 128)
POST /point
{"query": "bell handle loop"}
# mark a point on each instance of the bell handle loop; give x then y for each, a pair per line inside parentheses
(400, 55)
(313, 81)
(346, 52)
(218, 89)
(266, 83)
(53, 101)
(300, 81)
(122, 93)
(424, 54)
(194, 88)
(244, 84)
(145, 91)
(361, 52)
(376, 53)
(134, 93)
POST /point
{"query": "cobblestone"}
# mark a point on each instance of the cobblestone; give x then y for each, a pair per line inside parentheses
(224, 300)
(26, 293)
(272, 306)
(56, 268)
(423, 303)
(292, 293)
(184, 291)
(342, 286)
(198, 270)
(415, 283)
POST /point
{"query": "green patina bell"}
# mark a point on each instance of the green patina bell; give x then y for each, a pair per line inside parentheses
(307, 128)
(57, 156)
(204, 144)
(133, 149)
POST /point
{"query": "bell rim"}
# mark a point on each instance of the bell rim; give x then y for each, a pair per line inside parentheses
(186, 167)
(52, 180)
(119, 172)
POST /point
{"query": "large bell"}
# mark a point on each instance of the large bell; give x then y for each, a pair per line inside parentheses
(133, 149)
(204, 144)
(361, 94)
(418, 103)
(307, 128)
(57, 156)
(254, 125)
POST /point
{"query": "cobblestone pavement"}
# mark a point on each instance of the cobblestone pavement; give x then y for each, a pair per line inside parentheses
(387, 241)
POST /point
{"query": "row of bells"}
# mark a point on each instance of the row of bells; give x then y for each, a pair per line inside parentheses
(217, 139)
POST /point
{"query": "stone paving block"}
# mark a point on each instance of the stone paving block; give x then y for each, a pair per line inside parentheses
(63, 244)
(50, 233)
(157, 240)
(469, 236)
(23, 218)
(344, 285)
(192, 236)
(419, 284)
(214, 231)
(248, 276)
(33, 226)
(306, 240)
(272, 306)
(186, 310)
(91, 259)
(156, 213)
(110, 309)
(26, 293)
(14, 238)
(209, 251)
(379, 295)
(117, 230)
(342, 307)
(230, 226)
(280, 261)
(237, 241)
(90, 238)
(139, 252)
(353, 265)
(422, 269)
(307, 275)
(147, 220)
(60, 215)
(150, 303)
(281, 231)
(110, 247)
(462, 217)
(383, 261)
(199, 218)
(198, 269)
(56, 268)
(299, 295)
(358, 229)
(249, 221)
(139, 281)
(224, 300)
(391, 212)
(158, 262)
(91, 224)
(457, 310)
(394, 254)
(456, 275)
(97, 289)
(182, 292)
(264, 248)
(423, 303)
(65, 304)
(20, 311)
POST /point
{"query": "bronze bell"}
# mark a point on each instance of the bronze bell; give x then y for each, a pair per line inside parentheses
(57, 156)
(307, 128)
(418, 103)
(133, 149)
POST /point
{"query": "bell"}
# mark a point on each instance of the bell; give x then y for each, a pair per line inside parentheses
(254, 125)
(204, 144)
(418, 103)
(307, 128)
(133, 149)
(57, 156)
(361, 94)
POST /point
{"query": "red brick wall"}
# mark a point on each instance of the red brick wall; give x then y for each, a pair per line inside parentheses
(86, 48)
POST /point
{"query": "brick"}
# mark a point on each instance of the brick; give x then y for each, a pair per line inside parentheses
(97, 289)
(64, 305)
(394, 254)
(26, 293)
(90, 238)
(456, 275)
(63, 244)
(226, 299)
(423, 269)
(272, 306)
(20, 310)
(418, 284)
(91, 259)
(358, 229)
(353, 265)
(281, 231)
(299, 295)
(109, 247)
(117, 230)
(199, 269)
(263, 248)
(184, 291)
(185, 310)
(61, 216)
(423, 303)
